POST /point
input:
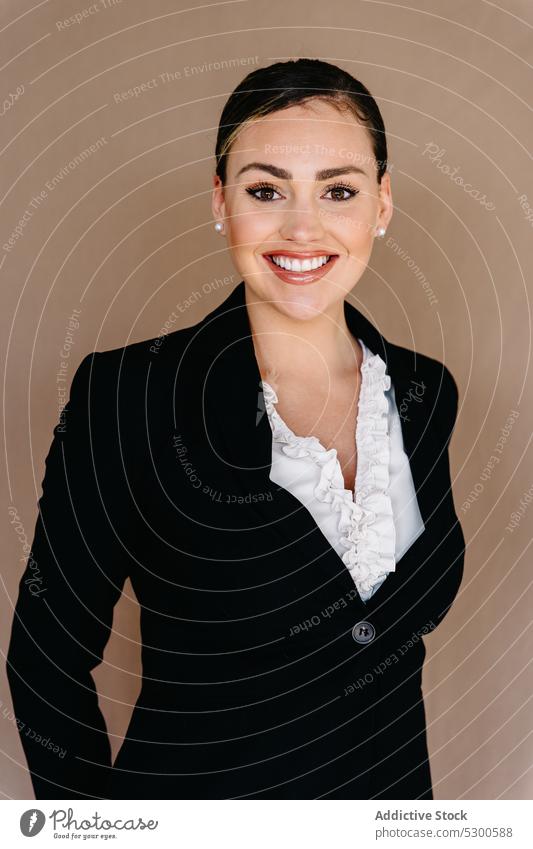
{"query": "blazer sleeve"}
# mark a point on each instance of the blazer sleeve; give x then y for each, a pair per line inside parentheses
(64, 612)
(421, 596)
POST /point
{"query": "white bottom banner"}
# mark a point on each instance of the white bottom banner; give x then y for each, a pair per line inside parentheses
(255, 824)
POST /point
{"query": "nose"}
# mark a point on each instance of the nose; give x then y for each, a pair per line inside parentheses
(301, 222)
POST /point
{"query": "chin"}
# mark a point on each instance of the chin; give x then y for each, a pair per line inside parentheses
(300, 311)
(301, 302)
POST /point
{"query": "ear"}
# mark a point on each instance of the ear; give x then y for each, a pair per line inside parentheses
(386, 207)
(218, 204)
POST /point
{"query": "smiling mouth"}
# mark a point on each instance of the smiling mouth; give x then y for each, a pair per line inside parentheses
(299, 269)
(300, 263)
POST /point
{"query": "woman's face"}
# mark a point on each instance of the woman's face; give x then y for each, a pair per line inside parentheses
(277, 201)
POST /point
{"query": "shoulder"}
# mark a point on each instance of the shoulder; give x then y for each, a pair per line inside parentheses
(440, 390)
(119, 393)
(128, 367)
(436, 371)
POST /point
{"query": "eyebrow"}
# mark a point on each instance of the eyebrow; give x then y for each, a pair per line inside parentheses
(283, 174)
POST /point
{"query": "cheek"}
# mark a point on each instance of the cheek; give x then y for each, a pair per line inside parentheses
(351, 227)
(356, 237)
(249, 227)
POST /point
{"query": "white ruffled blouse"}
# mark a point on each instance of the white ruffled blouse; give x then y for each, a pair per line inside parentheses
(372, 531)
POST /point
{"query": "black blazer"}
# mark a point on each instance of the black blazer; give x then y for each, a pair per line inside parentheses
(264, 673)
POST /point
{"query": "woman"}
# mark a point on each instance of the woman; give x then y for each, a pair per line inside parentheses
(275, 482)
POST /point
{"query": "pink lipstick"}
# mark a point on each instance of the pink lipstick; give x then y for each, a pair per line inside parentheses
(300, 278)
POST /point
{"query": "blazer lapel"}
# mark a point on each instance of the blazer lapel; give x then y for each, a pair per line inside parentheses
(220, 365)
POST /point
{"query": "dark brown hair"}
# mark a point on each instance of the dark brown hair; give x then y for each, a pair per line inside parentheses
(285, 84)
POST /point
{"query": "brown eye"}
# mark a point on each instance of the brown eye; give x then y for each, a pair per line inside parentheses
(263, 189)
(341, 189)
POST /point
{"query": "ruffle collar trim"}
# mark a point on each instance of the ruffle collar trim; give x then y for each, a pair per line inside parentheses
(366, 523)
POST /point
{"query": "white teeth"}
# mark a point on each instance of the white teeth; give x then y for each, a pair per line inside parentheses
(300, 265)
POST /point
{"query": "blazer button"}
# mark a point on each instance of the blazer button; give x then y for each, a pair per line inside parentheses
(363, 632)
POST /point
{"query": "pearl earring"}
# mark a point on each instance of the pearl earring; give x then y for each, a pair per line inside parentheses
(219, 226)
(381, 232)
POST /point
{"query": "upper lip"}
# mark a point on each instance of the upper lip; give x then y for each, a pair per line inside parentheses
(300, 254)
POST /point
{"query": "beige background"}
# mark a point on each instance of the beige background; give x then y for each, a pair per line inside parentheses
(126, 236)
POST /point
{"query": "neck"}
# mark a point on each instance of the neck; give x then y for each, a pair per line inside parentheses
(283, 345)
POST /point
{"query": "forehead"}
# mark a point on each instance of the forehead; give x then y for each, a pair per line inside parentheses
(304, 137)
